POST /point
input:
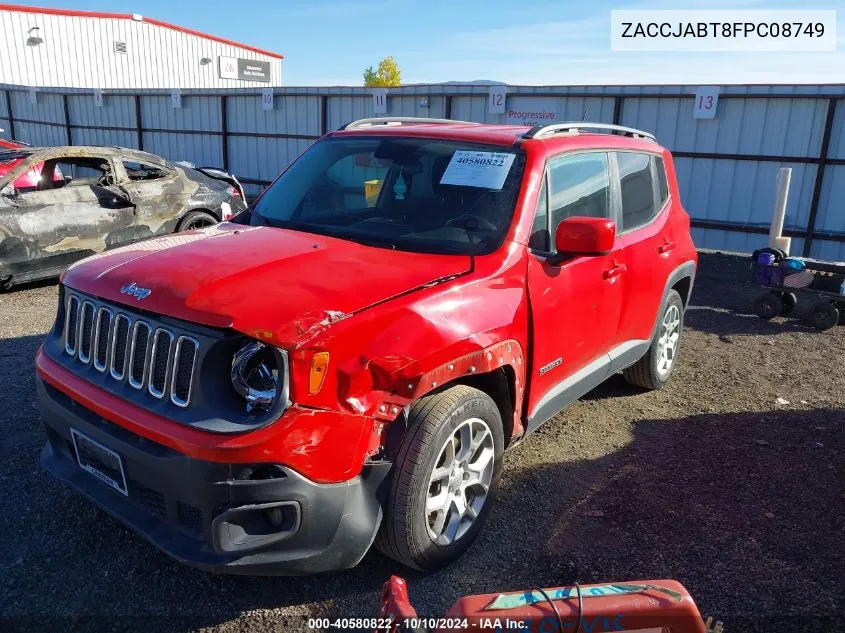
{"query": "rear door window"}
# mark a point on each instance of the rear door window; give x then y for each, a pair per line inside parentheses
(637, 187)
(144, 171)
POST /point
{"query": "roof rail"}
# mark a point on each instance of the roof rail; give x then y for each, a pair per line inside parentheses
(399, 120)
(575, 127)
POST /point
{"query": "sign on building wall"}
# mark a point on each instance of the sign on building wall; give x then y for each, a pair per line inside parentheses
(380, 100)
(496, 101)
(266, 98)
(706, 100)
(531, 111)
(244, 69)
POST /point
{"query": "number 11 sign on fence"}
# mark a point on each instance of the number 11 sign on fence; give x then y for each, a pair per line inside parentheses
(706, 99)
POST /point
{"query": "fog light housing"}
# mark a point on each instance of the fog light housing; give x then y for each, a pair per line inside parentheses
(275, 517)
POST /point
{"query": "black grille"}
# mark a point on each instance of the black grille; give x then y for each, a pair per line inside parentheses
(141, 340)
(72, 326)
(120, 346)
(183, 372)
(102, 338)
(150, 499)
(87, 326)
(157, 359)
(161, 360)
(190, 517)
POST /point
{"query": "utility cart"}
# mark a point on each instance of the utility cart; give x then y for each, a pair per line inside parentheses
(789, 280)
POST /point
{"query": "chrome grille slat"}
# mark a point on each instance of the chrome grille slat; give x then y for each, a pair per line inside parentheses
(119, 346)
(159, 368)
(140, 346)
(155, 359)
(71, 324)
(86, 326)
(101, 338)
(183, 370)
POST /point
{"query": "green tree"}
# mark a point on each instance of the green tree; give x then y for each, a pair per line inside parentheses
(387, 74)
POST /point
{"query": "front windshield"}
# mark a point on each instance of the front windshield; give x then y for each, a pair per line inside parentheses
(415, 194)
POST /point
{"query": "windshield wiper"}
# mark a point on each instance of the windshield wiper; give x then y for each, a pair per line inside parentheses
(364, 241)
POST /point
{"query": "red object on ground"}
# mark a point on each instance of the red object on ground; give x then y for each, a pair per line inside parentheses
(639, 606)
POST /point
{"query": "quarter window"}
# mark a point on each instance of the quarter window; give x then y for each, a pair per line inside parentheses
(638, 206)
(539, 240)
(579, 185)
(662, 185)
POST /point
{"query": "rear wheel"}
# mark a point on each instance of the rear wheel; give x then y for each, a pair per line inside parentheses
(768, 306)
(823, 316)
(654, 369)
(196, 220)
(444, 478)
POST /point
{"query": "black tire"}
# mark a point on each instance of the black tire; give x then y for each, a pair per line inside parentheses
(644, 373)
(404, 534)
(196, 220)
(823, 316)
(768, 306)
(789, 301)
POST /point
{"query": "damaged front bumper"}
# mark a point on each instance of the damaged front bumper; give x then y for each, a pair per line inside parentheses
(234, 518)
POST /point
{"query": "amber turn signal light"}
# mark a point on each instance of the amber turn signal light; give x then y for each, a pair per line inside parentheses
(319, 366)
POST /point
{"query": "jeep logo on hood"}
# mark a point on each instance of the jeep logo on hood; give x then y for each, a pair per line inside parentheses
(136, 291)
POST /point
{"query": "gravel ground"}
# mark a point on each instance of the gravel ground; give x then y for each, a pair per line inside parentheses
(710, 481)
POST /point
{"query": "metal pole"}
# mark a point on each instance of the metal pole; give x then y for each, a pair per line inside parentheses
(324, 115)
(68, 132)
(820, 168)
(776, 239)
(224, 128)
(617, 110)
(139, 130)
(9, 114)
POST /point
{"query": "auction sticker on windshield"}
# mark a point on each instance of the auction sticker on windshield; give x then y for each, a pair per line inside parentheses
(487, 170)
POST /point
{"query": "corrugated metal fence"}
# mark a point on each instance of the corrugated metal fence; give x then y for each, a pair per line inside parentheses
(726, 166)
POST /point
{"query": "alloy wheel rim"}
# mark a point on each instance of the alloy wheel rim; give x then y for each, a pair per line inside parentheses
(460, 481)
(667, 342)
(198, 223)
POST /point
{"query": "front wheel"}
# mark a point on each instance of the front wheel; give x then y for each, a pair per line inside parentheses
(654, 369)
(444, 478)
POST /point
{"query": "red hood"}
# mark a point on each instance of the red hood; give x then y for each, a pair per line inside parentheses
(277, 284)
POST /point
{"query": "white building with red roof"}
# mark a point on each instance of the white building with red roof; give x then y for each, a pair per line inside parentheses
(86, 49)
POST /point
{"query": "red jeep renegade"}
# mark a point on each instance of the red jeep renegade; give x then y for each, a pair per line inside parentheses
(346, 362)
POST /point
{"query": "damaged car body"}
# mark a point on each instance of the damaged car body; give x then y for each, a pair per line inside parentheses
(408, 299)
(61, 204)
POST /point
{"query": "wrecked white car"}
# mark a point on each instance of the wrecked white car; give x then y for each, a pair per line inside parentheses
(60, 204)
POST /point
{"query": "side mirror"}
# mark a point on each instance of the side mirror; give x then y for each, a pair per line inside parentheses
(585, 236)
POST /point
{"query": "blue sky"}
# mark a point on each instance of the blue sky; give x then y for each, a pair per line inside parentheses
(330, 42)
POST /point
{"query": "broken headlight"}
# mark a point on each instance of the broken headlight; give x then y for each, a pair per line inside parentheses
(259, 375)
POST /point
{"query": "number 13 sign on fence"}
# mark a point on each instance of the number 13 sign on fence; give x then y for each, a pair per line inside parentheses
(706, 99)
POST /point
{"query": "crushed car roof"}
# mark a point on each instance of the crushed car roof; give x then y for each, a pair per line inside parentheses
(87, 150)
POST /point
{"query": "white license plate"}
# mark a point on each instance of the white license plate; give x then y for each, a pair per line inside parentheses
(100, 461)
